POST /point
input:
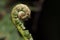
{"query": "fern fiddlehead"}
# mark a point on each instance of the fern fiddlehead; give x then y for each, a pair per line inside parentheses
(19, 13)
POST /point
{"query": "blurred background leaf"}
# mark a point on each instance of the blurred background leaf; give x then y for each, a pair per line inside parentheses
(8, 29)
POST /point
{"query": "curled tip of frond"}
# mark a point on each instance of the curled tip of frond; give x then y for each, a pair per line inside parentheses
(22, 10)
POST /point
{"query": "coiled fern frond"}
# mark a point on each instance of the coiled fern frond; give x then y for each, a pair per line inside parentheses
(19, 13)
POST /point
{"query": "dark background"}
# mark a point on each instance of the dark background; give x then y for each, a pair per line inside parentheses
(49, 24)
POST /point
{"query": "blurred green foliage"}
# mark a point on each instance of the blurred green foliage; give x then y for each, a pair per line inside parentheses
(8, 30)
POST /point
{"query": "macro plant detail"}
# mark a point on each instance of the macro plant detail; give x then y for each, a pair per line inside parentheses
(20, 13)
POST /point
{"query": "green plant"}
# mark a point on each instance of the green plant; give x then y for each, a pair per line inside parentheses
(20, 13)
